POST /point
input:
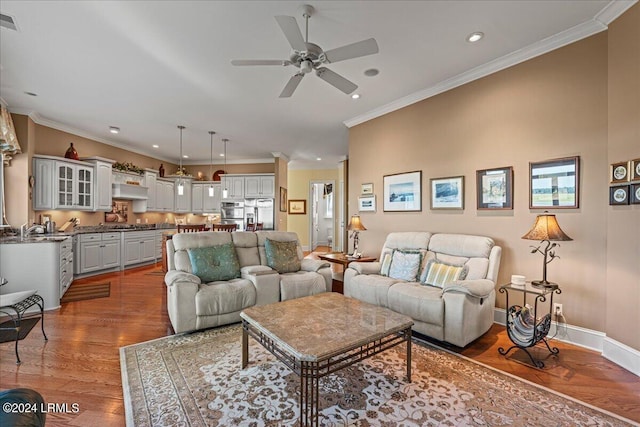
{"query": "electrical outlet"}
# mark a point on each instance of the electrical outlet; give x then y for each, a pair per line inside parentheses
(557, 309)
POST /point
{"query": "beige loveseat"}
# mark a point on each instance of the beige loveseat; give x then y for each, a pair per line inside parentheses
(196, 304)
(457, 311)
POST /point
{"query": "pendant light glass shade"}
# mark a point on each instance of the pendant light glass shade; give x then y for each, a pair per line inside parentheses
(211, 133)
(180, 181)
(225, 191)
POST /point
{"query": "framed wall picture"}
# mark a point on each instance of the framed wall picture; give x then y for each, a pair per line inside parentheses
(619, 172)
(366, 189)
(635, 170)
(402, 192)
(283, 199)
(619, 195)
(297, 207)
(367, 203)
(447, 193)
(634, 194)
(554, 183)
(494, 188)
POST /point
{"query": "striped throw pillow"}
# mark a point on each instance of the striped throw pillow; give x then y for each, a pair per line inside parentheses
(439, 274)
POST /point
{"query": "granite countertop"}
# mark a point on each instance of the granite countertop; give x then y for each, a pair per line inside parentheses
(59, 237)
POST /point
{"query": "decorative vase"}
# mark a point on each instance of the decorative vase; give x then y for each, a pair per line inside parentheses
(71, 153)
(161, 170)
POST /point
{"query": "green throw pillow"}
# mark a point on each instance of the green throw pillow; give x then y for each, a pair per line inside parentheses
(439, 274)
(282, 256)
(214, 263)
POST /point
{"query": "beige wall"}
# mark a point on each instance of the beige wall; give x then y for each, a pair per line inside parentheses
(623, 222)
(298, 188)
(549, 107)
(280, 207)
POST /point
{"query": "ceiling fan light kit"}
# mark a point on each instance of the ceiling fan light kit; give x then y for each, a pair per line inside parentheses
(309, 56)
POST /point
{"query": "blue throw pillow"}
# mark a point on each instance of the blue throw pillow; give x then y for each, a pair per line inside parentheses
(214, 263)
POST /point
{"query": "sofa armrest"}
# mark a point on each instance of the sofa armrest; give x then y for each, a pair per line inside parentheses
(479, 288)
(366, 267)
(313, 264)
(174, 276)
(266, 281)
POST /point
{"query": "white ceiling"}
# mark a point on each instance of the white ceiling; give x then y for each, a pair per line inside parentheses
(148, 66)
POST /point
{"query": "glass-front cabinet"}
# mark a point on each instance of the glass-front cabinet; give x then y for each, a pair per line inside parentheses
(73, 186)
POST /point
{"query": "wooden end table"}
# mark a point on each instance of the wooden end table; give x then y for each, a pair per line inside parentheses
(339, 258)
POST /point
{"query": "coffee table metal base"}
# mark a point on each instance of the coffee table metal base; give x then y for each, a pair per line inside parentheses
(310, 372)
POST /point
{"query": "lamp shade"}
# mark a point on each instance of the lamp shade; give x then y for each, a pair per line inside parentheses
(355, 224)
(546, 228)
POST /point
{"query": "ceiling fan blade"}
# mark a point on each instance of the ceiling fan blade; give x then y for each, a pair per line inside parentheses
(291, 86)
(289, 27)
(336, 80)
(242, 62)
(354, 50)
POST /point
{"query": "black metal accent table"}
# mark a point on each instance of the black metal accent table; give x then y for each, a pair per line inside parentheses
(542, 325)
(20, 323)
(318, 335)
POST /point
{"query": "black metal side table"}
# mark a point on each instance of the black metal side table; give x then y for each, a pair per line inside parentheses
(15, 306)
(525, 333)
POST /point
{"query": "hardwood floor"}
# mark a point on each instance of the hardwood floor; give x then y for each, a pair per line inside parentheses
(81, 364)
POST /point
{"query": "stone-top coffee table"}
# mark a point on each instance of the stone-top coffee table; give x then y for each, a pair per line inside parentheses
(321, 334)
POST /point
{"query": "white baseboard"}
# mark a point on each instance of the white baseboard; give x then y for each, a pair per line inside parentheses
(618, 353)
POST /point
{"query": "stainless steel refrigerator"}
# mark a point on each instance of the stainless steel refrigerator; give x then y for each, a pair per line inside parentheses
(259, 211)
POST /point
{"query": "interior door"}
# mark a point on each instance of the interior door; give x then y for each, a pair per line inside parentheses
(314, 217)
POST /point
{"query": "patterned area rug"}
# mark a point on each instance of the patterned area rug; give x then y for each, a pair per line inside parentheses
(196, 380)
(84, 291)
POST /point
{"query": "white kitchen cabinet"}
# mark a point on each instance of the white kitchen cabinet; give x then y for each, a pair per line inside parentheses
(150, 180)
(139, 247)
(43, 190)
(73, 186)
(182, 201)
(103, 180)
(201, 201)
(234, 186)
(63, 184)
(98, 251)
(256, 186)
(164, 196)
(50, 277)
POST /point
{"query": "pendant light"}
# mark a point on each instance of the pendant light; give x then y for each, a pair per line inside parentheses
(225, 192)
(211, 133)
(180, 181)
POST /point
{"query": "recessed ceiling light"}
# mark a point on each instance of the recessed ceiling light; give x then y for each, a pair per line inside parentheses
(221, 154)
(184, 156)
(114, 129)
(155, 146)
(31, 94)
(355, 96)
(371, 72)
(318, 158)
(474, 37)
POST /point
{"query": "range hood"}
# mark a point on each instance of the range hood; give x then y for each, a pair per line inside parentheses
(129, 192)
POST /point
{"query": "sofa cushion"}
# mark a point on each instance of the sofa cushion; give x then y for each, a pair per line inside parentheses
(405, 264)
(246, 244)
(282, 256)
(439, 274)
(217, 298)
(301, 284)
(371, 288)
(213, 263)
(422, 303)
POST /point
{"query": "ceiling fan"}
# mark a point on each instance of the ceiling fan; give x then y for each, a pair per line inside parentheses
(309, 56)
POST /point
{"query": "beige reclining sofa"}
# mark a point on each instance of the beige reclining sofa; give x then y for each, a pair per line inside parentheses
(214, 275)
(445, 282)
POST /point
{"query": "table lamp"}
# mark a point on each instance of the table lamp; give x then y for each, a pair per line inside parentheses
(356, 226)
(546, 229)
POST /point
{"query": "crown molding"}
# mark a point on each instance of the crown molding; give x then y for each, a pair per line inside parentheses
(596, 25)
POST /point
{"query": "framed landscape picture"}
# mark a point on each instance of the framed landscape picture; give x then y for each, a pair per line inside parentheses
(366, 189)
(297, 207)
(403, 192)
(494, 188)
(554, 183)
(367, 203)
(447, 193)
